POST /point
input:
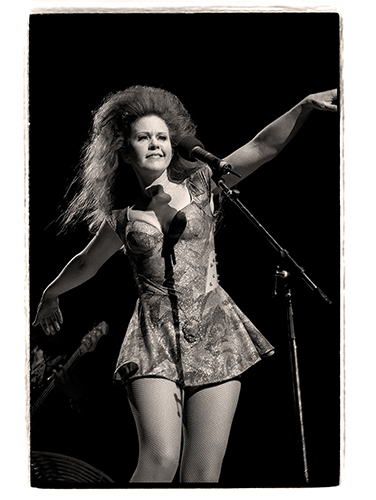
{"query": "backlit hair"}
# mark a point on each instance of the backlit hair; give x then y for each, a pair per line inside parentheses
(105, 181)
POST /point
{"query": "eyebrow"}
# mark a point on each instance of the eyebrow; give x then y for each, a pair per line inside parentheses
(148, 132)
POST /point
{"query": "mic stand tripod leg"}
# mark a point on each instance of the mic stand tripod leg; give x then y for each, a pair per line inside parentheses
(293, 349)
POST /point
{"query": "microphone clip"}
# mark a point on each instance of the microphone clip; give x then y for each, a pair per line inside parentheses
(279, 273)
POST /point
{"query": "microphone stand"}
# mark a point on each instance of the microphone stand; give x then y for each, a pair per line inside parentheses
(233, 196)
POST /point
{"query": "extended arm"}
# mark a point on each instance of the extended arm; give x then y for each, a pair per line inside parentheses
(82, 267)
(274, 137)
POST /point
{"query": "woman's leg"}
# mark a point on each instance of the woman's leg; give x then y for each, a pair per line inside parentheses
(209, 412)
(157, 410)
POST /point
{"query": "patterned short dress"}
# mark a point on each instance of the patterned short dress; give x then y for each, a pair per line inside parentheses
(185, 327)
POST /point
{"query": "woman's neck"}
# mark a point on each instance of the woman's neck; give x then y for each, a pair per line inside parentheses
(162, 180)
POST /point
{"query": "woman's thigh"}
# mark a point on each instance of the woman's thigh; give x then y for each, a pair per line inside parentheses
(209, 413)
(212, 405)
(156, 404)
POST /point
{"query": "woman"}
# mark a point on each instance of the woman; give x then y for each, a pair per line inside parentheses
(187, 342)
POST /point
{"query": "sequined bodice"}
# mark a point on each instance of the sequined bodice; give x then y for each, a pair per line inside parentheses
(180, 260)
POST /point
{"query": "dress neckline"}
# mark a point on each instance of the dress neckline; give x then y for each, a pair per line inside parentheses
(151, 215)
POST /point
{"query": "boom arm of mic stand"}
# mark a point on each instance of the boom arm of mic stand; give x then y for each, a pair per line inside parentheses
(233, 195)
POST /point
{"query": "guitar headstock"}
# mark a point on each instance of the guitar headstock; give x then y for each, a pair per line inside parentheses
(89, 342)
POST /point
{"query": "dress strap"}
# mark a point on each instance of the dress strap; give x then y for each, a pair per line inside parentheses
(199, 182)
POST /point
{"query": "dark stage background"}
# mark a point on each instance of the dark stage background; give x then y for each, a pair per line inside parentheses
(235, 72)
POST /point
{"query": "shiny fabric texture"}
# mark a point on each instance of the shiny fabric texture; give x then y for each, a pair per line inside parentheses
(185, 327)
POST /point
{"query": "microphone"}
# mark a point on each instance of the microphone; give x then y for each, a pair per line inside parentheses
(192, 149)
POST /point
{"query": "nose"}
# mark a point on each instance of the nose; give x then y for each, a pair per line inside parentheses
(154, 143)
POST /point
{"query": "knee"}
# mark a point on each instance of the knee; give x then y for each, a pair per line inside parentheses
(166, 458)
(162, 460)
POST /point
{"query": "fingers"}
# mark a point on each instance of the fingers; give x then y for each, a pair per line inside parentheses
(327, 106)
(324, 105)
(58, 375)
(59, 314)
(333, 97)
(50, 324)
(46, 326)
(331, 107)
(56, 320)
(324, 101)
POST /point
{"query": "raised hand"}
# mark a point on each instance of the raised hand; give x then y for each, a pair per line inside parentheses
(324, 100)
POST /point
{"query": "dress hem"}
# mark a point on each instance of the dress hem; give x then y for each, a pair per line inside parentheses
(118, 379)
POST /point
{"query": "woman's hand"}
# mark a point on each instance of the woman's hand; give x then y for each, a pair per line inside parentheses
(323, 100)
(48, 315)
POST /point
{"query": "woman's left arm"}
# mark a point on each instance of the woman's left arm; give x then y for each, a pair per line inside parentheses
(274, 137)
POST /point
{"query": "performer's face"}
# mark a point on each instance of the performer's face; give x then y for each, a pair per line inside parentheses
(149, 148)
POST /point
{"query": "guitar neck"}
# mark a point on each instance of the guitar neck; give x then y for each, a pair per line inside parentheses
(52, 384)
(88, 344)
(41, 399)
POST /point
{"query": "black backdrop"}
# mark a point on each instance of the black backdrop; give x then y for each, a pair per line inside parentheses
(235, 72)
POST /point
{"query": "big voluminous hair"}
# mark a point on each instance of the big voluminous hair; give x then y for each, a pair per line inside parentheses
(104, 181)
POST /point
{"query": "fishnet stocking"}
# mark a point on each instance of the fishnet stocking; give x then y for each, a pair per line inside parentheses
(157, 410)
(156, 405)
(209, 412)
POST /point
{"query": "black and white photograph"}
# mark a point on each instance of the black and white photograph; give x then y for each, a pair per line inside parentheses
(184, 214)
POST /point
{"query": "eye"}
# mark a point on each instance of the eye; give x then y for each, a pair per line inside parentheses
(142, 137)
(163, 137)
